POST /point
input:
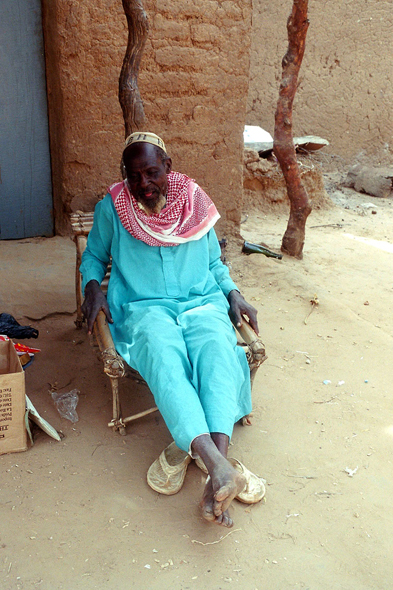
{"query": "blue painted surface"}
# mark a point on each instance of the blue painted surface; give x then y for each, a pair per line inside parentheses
(25, 184)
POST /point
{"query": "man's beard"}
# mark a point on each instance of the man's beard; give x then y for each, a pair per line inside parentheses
(152, 208)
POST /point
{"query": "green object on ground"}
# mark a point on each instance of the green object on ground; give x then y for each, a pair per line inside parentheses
(249, 248)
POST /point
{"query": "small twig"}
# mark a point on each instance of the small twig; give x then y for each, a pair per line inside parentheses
(314, 303)
(53, 314)
(288, 516)
(303, 476)
(282, 537)
(325, 493)
(214, 542)
(302, 164)
(327, 401)
(99, 445)
(328, 225)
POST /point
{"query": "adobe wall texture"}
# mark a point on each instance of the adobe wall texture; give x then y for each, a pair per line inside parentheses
(193, 81)
(346, 80)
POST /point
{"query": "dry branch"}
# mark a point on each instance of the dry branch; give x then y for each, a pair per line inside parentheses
(300, 206)
(129, 96)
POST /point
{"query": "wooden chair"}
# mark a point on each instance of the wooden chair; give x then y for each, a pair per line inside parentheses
(114, 365)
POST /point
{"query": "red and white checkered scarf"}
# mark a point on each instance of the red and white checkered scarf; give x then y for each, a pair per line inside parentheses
(188, 214)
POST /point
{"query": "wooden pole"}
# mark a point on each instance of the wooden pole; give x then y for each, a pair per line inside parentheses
(300, 205)
(129, 96)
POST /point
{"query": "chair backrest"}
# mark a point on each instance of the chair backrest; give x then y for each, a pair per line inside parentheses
(81, 224)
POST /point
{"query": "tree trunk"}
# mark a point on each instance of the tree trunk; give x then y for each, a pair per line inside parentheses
(129, 96)
(300, 205)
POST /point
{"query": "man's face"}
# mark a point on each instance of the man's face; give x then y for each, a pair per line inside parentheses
(146, 174)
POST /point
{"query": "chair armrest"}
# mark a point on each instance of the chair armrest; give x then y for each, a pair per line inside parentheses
(113, 363)
(254, 343)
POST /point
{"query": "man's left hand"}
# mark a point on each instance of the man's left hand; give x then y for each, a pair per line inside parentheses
(240, 308)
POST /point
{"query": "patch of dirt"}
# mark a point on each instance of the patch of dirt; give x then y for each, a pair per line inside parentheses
(79, 514)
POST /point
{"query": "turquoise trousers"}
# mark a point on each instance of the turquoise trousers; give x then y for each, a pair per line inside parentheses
(190, 359)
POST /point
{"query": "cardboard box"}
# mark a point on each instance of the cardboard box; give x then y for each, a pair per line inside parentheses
(12, 401)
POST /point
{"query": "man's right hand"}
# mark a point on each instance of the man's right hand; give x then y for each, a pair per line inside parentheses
(94, 302)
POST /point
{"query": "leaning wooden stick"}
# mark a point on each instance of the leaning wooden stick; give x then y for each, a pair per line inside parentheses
(284, 149)
(129, 96)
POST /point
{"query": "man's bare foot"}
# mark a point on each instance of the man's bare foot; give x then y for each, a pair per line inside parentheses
(207, 505)
(224, 483)
(221, 488)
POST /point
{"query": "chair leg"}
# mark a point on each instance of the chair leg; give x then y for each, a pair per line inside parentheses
(78, 289)
(117, 422)
(253, 372)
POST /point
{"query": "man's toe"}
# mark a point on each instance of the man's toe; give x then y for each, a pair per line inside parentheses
(224, 520)
(223, 498)
(227, 520)
(207, 512)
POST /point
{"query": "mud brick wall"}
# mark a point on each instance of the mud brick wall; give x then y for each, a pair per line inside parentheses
(193, 81)
(346, 79)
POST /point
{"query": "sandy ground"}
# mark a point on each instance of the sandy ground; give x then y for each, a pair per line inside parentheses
(78, 514)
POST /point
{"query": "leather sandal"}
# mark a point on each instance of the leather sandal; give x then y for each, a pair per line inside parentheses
(166, 475)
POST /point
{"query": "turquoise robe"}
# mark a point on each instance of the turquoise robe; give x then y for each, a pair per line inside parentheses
(170, 312)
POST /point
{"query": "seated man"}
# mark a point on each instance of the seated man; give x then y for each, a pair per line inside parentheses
(167, 304)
